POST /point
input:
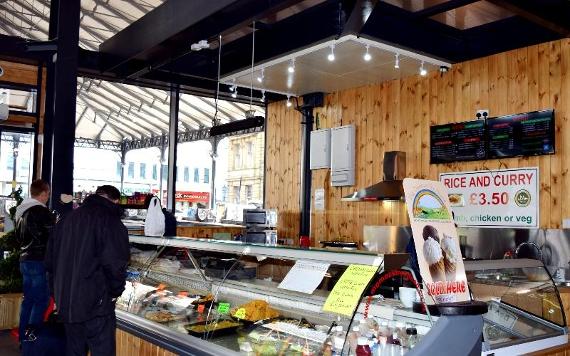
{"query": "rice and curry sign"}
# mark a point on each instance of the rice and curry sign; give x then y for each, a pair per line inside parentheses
(498, 198)
(436, 240)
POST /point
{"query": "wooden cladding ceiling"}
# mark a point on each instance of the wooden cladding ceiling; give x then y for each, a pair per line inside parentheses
(396, 115)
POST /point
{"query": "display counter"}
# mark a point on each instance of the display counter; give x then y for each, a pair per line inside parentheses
(220, 297)
(194, 229)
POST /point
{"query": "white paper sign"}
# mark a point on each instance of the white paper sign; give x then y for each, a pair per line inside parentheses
(507, 197)
(319, 199)
(305, 276)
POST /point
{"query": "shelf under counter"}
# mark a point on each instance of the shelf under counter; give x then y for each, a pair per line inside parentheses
(340, 257)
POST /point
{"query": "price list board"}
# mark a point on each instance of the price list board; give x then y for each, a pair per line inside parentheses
(526, 134)
(464, 141)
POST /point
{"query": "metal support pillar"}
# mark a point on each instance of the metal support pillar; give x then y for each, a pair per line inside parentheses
(123, 158)
(172, 148)
(66, 61)
(47, 142)
(160, 175)
(310, 101)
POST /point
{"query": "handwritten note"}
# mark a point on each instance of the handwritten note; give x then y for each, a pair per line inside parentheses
(345, 295)
(305, 276)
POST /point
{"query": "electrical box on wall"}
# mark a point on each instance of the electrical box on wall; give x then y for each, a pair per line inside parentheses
(342, 156)
(320, 149)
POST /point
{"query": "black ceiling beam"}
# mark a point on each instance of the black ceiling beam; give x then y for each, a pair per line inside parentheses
(441, 8)
(356, 14)
(550, 14)
(167, 32)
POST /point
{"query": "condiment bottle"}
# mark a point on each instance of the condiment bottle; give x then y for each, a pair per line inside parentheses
(412, 337)
(363, 349)
(338, 339)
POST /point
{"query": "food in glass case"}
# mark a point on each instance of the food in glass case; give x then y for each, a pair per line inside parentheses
(254, 311)
(215, 327)
(160, 316)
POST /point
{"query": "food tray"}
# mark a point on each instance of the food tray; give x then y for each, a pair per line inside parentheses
(213, 333)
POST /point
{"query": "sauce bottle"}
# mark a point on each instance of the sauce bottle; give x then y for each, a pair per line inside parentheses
(363, 349)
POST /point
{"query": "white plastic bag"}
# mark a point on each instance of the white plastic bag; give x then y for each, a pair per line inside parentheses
(154, 223)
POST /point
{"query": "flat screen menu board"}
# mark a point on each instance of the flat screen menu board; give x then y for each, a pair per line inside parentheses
(525, 134)
(464, 141)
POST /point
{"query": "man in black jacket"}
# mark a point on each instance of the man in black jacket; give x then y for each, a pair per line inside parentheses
(33, 226)
(87, 263)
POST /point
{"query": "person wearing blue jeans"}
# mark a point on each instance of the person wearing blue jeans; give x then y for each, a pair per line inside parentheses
(36, 295)
(34, 222)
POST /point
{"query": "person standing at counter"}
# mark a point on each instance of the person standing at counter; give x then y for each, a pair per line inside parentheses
(34, 223)
(87, 263)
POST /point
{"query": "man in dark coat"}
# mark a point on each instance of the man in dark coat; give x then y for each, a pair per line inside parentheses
(33, 227)
(87, 263)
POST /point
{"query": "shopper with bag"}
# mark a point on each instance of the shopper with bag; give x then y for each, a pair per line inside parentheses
(155, 222)
(87, 261)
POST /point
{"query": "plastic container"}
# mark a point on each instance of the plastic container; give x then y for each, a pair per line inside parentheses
(363, 349)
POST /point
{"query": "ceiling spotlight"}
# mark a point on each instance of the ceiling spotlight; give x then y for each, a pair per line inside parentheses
(367, 56)
(289, 101)
(262, 76)
(291, 68)
(397, 61)
(423, 71)
(330, 57)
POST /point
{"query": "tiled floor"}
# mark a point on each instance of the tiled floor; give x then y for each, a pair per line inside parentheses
(8, 346)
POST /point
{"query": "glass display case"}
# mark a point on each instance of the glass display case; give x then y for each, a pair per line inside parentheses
(227, 295)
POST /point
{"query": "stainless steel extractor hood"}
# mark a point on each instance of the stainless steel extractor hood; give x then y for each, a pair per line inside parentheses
(390, 188)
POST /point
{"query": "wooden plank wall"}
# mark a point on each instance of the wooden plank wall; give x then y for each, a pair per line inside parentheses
(130, 345)
(282, 169)
(396, 115)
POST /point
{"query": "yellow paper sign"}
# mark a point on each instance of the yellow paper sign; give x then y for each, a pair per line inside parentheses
(240, 313)
(345, 295)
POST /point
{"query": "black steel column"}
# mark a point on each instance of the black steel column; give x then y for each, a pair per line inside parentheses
(172, 148)
(47, 144)
(123, 157)
(310, 101)
(214, 156)
(68, 13)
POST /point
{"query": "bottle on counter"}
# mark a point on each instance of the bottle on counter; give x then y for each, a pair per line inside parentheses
(363, 348)
(338, 337)
(353, 337)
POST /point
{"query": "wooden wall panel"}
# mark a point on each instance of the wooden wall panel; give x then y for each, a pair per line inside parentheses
(130, 345)
(396, 115)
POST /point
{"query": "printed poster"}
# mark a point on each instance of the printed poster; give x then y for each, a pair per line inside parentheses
(497, 198)
(436, 240)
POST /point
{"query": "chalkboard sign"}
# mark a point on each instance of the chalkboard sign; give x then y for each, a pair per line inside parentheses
(464, 141)
(527, 134)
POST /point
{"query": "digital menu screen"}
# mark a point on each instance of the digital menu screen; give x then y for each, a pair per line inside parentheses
(525, 134)
(464, 141)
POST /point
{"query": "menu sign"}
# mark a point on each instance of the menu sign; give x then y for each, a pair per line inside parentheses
(507, 197)
(525, 134)
(462, 141)
(436, 240)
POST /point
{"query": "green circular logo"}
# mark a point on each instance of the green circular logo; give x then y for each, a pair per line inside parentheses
(522, 198)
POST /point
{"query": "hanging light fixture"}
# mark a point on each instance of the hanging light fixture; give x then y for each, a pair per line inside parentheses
(261, 76)
(289, 104)
(367, 57)
(423, 71)
(331, 57)
(234, 93)
(397, 61)
(262, 99)
(291, 68)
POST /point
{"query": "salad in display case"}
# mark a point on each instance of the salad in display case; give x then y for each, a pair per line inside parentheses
(254, 300)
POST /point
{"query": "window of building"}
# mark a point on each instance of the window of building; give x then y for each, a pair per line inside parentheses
(131, 170)
(206, 175)
(186, 174)
(248, 192)
(165, 172)
(237, 156)
(154, 172)
(236, 195)
(196, 175)
(119, 166)
(143, 170)
(250, 154)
